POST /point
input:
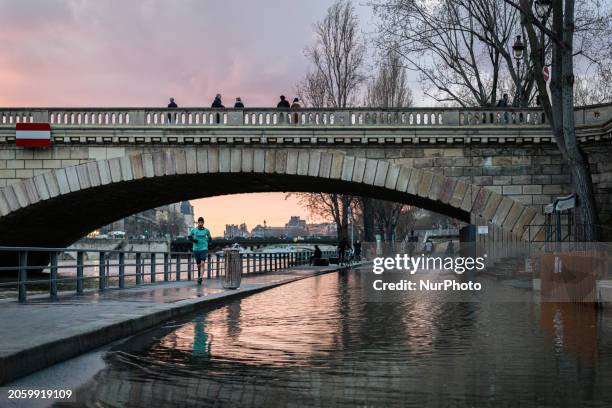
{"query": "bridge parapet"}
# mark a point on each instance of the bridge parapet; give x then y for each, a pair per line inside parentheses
(310, 117)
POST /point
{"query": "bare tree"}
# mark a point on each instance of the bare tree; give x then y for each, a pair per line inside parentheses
(337, 55)
(389, 87)
(328, 206)
(337, 58)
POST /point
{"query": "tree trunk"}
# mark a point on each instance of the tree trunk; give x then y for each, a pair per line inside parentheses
(368, 219)
(578, 162)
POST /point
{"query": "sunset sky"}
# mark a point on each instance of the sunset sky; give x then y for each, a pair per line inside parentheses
(139, 53)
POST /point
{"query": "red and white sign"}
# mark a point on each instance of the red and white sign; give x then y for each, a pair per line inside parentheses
(33, 134)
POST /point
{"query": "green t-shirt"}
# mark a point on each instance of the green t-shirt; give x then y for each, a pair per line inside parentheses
(203, 237)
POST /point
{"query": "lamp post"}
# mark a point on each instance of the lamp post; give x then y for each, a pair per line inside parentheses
(518, 48)
(543, 8)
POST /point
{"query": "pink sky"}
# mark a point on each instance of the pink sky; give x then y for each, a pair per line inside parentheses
(140, 52)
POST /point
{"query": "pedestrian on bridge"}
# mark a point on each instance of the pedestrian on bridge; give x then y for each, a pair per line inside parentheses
(239, 103)
(283, 103)
(172, 105)
(217, 102)
(200, 237)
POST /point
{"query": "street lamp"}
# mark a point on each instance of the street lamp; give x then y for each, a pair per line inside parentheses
(518, 48)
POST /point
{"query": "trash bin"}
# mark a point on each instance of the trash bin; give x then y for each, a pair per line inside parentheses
(233, 269)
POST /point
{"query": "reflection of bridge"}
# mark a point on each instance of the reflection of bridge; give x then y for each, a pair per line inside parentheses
(485, 166)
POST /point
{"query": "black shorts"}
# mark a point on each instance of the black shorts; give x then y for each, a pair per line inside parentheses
(200, 256)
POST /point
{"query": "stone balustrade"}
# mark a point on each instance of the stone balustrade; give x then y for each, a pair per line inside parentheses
(271, 117)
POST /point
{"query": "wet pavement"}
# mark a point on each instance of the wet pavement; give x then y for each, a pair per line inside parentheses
(43, 332)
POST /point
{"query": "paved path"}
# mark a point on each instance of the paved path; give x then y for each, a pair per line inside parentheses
(41, 333)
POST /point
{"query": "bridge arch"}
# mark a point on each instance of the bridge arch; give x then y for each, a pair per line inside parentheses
(58, 207)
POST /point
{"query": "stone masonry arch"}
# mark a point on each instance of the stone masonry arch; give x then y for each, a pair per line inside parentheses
(68, 203)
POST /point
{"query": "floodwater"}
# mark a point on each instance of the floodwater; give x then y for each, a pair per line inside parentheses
(322, 342)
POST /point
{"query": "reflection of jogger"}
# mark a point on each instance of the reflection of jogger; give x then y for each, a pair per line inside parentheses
(200, 237)
(201, 344)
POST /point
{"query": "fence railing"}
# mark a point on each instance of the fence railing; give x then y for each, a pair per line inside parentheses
(52, 270)
(324, 117)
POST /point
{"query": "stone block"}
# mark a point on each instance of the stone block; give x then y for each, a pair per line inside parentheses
(259, 160)
(202, 160)
(502, 211)
(497, 189)
(247, 160)
(551, 169)
(31, 164)
(169, 162)
(481, 201)
(413, 183)
(126, 170)
(508, 190)
(491, 205)
(392, 176)
(114, 166)
(191, 160)
(52, 164)
(68, 163)
(112, 152)
(447, 189)
(214, 160)
(566, 178)
(41, 187)
(424, 162)
(523, 199)
(472, 171)
(95, 153)
(326, 164)
(303, 161)
(540, 179)
(16, 164)
(137, 170)
(453, 171)
(159, 163)
(80, 153)
(52, 185)
(525, 179)
(147, 165)
(73, 179)
(532, 189)
(552, 189)
(7, 154)
(24, 173)
(21, 153)
(381, 173)
(469, 198)
(280, 161)
(347, 168)
(314, 163)
(62, 180)
(435, 188)
(359, 170)
(404, 178)
(235, 160)
(502, 160)
(370, 171)
(482, 180)
(336, 166)
(105, 177)
(224, 160)
(492, 171)
(425, 184)
(292, 161)
(83, 174)
(458, 194)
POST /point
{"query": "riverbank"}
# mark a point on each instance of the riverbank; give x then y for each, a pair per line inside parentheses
(41, 333)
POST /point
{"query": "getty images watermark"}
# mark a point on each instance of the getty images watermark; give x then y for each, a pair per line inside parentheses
(406, 264)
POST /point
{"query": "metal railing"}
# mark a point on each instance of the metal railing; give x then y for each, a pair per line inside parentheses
(52, 270)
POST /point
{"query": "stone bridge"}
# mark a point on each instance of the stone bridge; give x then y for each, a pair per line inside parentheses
(489, 166)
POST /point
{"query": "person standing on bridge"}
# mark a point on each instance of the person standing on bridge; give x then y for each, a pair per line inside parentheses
(217, 102)
(172, 105)
(239, 103)
(200, 237)
(283, 103)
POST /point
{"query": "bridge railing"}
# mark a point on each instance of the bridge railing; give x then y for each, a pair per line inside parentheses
(55, 270)
(271, 117)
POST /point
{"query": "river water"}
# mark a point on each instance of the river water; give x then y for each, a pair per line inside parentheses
(322, 342)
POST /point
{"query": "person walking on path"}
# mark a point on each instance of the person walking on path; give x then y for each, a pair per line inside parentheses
(200, 237)
(343, 246)
(295, 106)
(358, 250)
(283, 103)
(171, 105)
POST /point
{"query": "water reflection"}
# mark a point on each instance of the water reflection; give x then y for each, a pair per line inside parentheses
(320, 342)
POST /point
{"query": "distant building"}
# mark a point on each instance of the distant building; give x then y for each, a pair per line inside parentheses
(296, 227)
(236, 231)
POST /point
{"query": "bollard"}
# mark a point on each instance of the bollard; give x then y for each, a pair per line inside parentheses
(208, 267)
(153, 267)
(23, 276)
(79, 271)
(121, 270)
(102, 271)
(189, 267)
(218, 258)
(248, 263)
(138, 268)
(166, 266)
(178, 267)
(53, 275)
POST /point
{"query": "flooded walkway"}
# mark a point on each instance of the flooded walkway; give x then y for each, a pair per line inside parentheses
(41, 333)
